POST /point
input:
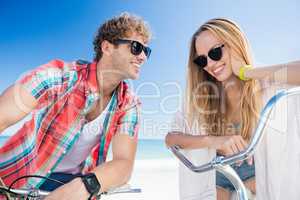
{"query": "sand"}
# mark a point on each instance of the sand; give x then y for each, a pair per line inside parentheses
(158, 179)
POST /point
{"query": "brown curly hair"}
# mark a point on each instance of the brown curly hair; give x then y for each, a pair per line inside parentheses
(119, 27)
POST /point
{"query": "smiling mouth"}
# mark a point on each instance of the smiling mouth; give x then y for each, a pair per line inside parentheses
(137, 65)
(218, 70)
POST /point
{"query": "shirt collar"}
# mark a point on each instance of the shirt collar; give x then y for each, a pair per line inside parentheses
(93, 86)
(92, 78)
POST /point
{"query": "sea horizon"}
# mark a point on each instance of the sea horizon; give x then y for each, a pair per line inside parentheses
(147, 148)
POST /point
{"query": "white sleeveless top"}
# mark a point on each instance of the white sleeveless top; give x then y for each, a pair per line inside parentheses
(88, 138)
(194, 186)
(277, 157)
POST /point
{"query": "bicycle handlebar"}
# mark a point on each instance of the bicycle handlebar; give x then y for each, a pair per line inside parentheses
(123, 189)
(257, 136)
(40, 193)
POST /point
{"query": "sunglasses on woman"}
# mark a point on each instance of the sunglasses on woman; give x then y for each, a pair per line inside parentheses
(136, 47)
(214, 54)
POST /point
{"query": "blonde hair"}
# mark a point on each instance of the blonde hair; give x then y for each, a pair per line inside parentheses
(211, 100)
(119, 27)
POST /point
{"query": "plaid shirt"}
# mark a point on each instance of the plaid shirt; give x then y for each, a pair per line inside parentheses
(65, 93)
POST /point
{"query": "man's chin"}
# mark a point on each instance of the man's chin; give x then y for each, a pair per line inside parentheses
(133, 76)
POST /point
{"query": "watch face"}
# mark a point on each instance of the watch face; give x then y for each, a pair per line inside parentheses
(91, 183)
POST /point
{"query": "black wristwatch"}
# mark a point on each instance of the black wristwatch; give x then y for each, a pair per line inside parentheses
(91, 184)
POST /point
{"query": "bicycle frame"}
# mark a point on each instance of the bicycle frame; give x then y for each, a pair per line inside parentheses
(222, 164)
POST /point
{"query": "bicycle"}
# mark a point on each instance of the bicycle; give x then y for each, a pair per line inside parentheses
(222, 164)
(35, 194)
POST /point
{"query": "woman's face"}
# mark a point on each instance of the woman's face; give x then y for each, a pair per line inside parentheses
(220, 69)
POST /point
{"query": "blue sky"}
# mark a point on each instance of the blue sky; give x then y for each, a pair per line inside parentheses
(34, 32)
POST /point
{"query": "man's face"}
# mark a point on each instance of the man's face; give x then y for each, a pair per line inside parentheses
(125, 62)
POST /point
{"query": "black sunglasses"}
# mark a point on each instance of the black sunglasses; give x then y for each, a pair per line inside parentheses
(136, 47)
(214, 54)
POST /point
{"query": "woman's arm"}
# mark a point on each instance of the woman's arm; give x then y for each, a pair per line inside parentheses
(227, 145)
(186, 141)
(287, 73)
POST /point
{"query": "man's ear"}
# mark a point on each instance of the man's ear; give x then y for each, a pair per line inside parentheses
(107, 47)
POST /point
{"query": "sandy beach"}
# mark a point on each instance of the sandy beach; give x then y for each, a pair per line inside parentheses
(158, 179)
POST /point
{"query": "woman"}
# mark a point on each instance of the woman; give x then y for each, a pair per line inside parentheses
(224, 96)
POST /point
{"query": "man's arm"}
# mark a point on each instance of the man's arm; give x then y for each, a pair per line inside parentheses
(110, 174)
(15, 103)
(118, 171)
(113, 173)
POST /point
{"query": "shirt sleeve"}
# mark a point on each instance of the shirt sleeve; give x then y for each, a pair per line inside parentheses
(130, 122)
(179, 123)
(44, 82)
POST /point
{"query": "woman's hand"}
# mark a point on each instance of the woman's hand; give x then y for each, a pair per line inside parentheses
(232, 144)
(74, 190)
(236, 63)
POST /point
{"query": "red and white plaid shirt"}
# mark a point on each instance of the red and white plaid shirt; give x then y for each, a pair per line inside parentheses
(65, 93)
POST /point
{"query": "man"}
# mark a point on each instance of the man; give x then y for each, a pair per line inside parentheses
(77, 109)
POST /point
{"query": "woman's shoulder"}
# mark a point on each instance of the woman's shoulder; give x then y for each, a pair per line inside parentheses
(188, 124)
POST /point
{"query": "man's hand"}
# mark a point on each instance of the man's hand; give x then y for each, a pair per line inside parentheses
(74, 190)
